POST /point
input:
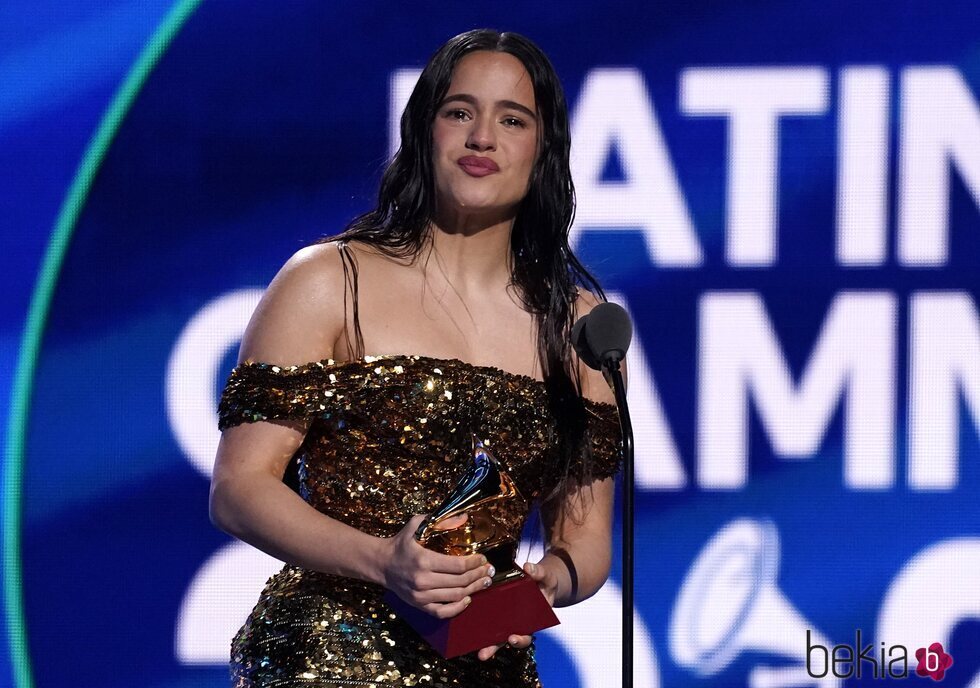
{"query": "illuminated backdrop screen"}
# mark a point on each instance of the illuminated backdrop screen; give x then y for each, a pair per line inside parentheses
(783, 195)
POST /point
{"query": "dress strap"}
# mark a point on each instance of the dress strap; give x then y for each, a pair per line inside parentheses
(350, 286)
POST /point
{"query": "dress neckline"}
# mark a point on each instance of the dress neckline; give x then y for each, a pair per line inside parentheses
(361, 360)
(488, 370)
(436, 359)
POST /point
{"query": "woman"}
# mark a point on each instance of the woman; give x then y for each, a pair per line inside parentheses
(463, 281)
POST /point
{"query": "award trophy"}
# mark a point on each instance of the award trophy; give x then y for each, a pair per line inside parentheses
(512, 604)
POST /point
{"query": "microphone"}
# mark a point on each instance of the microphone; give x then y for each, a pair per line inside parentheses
(601, 338)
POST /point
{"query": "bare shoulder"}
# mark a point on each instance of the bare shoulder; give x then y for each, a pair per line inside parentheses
(301, 313)
(374, 256)
(585, 301)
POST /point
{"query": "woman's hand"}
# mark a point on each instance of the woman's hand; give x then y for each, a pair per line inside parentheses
(547, 581)
(440, 584)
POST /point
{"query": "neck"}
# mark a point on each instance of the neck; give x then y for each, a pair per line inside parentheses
(472, 258)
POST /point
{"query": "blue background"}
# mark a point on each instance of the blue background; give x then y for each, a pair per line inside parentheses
(262, 127)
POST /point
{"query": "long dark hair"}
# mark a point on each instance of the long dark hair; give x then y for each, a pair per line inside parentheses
(545, 271)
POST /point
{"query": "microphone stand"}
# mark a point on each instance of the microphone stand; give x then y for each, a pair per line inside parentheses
(626, 427)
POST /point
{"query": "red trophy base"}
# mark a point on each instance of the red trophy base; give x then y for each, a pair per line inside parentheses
(515, 607)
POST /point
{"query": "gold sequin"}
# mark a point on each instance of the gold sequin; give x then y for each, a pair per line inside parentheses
(380, 448)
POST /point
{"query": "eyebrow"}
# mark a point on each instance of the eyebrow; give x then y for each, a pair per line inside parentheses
(511, 104)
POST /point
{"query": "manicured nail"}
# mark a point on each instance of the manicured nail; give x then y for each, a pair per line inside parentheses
(491, 571)
(483, 560)
(487, 582)
(532, 568)
(467, 600)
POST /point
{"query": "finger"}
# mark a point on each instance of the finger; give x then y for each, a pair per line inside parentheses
(519, 641)
(546, 579)
(414, 522)
(536, 572)
(541, 573)
(488, 652)
(448, 563)
(453, 522)
(454, 594)
(447, 610)
(451, 580)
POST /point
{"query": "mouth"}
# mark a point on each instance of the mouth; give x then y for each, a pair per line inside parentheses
(476, 166)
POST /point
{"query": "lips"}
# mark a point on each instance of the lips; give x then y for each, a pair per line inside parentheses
(477, 166)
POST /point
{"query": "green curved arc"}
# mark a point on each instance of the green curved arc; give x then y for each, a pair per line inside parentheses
(37, 319)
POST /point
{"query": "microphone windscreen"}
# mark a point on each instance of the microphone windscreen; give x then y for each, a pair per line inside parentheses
(581, 346)
(608, 332)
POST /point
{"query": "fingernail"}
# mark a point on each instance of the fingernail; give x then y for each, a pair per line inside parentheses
(491, 571)
(466, 601)
(532, 568)
(487, 582)
(483, 559)
(512, 640)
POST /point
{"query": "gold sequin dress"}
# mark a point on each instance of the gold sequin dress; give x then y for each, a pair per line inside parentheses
(388, 438)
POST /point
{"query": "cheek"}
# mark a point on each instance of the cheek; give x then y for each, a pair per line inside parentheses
(438, 156)
(440, 140)
(532, 153)
(530, 160)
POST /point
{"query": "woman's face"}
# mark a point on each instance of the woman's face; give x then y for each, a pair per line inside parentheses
(485, 137)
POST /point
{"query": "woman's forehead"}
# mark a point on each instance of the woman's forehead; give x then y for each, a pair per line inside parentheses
(492, 76)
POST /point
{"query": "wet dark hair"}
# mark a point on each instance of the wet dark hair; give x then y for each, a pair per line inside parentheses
(545, 272)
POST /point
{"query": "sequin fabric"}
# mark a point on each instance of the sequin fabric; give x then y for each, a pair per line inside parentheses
(388, 438)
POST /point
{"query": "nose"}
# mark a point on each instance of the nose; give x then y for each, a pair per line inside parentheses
(482, 136)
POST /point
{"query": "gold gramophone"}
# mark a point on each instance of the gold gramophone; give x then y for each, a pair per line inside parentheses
(513, 604)
(493, 506)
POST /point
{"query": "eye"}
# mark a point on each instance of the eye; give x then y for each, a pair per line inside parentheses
(457, 114)
(512, 121)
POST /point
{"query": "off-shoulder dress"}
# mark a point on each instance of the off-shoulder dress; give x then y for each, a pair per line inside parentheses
(388, 438)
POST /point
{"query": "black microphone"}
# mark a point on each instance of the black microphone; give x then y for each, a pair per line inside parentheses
(603, 335)
(601, 338)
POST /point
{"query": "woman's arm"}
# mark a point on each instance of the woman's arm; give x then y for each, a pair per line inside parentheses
(250, 502)
(579, 531)
(576, 562)
(579, 554)
(298, 320)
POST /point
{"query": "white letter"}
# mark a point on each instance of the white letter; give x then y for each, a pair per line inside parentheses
(218, 600)
(753, 98)
(944, 350)
(192, 407)
(400, 88)
(740, 356)
(862, 153)
(936, 590)
(658, 463)
(614, 109)
(940, 125)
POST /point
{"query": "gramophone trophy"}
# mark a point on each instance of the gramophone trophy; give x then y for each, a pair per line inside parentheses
(512, 604)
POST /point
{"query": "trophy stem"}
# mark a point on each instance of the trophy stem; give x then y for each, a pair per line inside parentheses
(502, 558)
(513, 604)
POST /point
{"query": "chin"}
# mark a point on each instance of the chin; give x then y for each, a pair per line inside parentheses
(481, 203)
(473, 206)
(474, 203)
